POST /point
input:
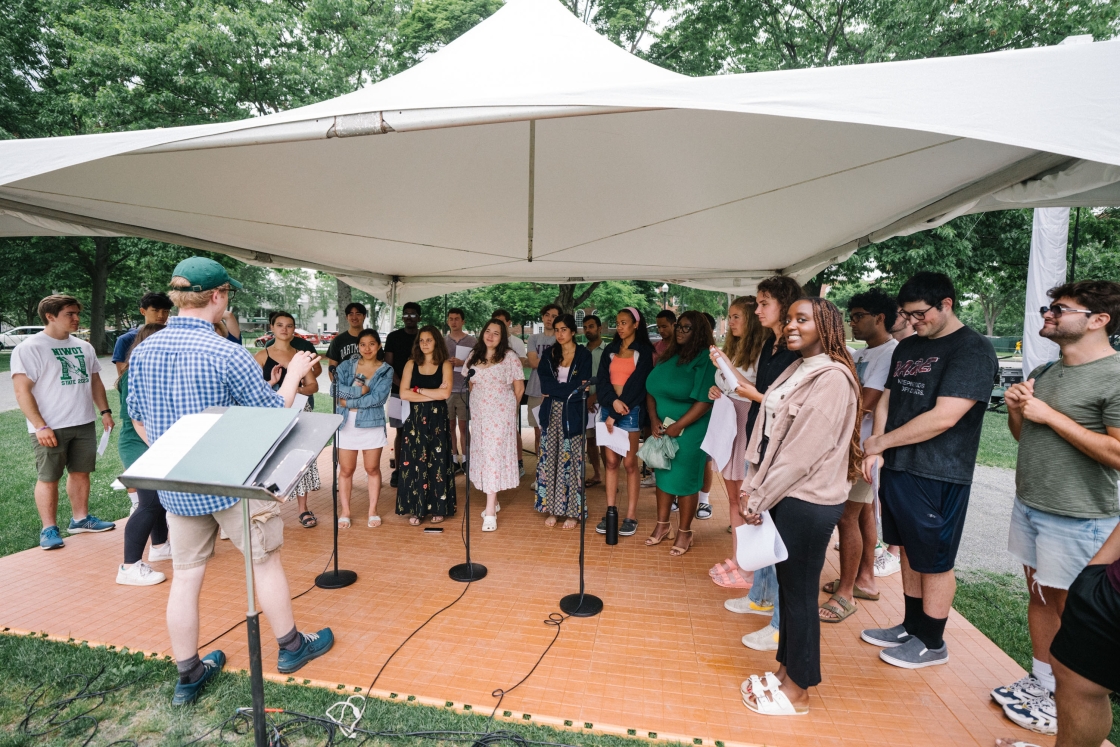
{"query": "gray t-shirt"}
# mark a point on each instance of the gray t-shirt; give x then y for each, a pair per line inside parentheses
(540, 343)
(962, 365)
(458, 382)
(61, 371)
(1051, 474)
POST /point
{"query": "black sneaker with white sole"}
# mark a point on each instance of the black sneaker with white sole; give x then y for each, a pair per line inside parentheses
(601, 527)
(629, 526)
(914, 655)
(886, 637)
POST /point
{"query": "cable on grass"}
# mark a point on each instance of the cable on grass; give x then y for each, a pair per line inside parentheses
(53, 711)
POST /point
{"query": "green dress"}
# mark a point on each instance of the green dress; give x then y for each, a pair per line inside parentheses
(675, 389)
(129, 445)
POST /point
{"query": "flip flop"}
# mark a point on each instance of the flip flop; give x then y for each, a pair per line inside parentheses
(725, 566)
(832, 586)
(845, 609)
(592, 483)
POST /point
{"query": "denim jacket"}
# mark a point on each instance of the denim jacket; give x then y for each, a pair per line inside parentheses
(370, 406)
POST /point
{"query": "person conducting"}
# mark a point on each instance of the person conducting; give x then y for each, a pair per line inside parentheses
(207, 371)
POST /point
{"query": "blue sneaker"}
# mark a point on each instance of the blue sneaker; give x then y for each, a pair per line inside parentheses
(50, 539)
(90, 524)
(213, 661)
(314, 645)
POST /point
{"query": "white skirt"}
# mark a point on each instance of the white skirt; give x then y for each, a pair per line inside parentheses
(353, 438)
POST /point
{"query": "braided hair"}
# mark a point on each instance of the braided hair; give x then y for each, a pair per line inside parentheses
(829, 321)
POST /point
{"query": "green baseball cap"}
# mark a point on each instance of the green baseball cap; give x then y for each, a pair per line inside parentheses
(203, 274)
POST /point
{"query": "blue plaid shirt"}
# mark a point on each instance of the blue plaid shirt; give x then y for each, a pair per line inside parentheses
(182, 370)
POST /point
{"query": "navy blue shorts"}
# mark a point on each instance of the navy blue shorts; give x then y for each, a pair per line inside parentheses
(924, 516)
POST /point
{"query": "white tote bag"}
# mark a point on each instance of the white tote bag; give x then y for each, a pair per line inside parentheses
(759, 546)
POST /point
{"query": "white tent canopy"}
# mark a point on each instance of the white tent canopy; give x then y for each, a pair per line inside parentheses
(531, 125)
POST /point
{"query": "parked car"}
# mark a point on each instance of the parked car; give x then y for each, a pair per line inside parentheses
(327, 336)
(14, 337)
(309, 336)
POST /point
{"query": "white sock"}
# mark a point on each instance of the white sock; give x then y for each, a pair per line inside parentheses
(703, 497)
(1044, 673)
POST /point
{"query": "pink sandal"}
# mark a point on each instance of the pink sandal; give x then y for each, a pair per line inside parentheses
(736, 579)
(726, 566)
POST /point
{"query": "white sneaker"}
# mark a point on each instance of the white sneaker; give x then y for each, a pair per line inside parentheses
(139, 574)
(157, 553)
(649, 480)
(1039, 714)
(887, 564)
(135, 503)
(765, 639)
(489, 523)
(745, 605)
(1023, 689)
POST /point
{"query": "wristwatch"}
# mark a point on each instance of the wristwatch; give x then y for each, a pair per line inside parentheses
(106, 412)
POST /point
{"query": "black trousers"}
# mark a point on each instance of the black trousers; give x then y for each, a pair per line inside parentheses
(806, 529)
(149, 518)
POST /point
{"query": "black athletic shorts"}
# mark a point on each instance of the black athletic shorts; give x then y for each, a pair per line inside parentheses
(1089, 640)
(924, 516)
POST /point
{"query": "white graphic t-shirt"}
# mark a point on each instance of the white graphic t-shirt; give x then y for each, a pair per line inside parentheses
(873, 365)
(61, 370)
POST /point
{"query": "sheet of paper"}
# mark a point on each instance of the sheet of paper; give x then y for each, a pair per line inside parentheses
(727, 370)
(759, 546)
(618, 442)
(173, 445)
(537, 414)
(104, 443)
(117, 485)
(461, 352)
(592, 417)
(299, 402)
(720, 438)
(397, 409)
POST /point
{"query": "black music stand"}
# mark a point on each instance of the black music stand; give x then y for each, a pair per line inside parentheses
(276, 476)
(582, 604)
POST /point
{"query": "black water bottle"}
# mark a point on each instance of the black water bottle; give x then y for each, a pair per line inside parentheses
(612, 525)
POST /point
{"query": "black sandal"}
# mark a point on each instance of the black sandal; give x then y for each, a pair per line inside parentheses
(308, 520)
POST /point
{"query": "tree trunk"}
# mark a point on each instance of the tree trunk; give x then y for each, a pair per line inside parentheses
(103, 249)
(566, 297)
(344, 299)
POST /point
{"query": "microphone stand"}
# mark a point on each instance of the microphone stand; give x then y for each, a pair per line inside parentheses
(335, 579)
(581, 604)
(468, 571)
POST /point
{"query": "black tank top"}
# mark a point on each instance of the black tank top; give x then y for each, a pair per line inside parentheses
(270, 364)
(427, 381)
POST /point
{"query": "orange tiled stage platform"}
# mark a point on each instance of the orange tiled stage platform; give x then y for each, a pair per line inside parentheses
(663, 657)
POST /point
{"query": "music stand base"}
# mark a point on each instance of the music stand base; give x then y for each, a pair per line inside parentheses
(586, 605)
(466, 572)
(335, 579)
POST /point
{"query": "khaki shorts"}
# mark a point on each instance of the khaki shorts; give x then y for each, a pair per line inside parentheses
(534, 402)
(76, 451)
(861, 492)
(457, 406)
(192, 537)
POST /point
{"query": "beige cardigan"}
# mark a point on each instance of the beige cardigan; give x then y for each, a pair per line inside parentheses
(807, 456)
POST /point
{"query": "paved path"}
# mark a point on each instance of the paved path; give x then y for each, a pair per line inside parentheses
(984, 545)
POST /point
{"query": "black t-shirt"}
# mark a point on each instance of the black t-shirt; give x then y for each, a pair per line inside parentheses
(342, 347)
(963, 365)
(770, 367)
(399, 344)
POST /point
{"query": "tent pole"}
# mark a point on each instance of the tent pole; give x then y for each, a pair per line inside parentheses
(392, 303)
(532, 179)
(1076, 236)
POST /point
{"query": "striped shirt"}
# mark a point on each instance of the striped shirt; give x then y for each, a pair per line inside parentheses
(182, 370)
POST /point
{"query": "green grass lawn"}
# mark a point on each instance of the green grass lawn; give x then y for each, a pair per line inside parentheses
(5, 361)
(997, 447)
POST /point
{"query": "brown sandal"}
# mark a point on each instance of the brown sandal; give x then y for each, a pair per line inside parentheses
(845, 609)
(651, 541)
(676, 551)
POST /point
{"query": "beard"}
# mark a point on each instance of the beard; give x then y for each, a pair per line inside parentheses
(1061, 336)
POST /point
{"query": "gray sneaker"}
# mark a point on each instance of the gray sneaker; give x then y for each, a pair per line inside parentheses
(914, 655)
(886, 637)
(628, 527)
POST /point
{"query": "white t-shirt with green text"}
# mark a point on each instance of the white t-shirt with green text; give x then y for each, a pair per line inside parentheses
(61, 371)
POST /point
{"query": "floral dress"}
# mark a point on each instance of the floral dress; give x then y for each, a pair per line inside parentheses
(426, 479)
(493, 417)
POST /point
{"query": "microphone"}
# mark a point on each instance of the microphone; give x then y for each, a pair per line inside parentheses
(470, 373)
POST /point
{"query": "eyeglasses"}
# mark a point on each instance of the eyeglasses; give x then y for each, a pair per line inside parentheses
(855, 316)
(1056, 309)
(410, 314)
(683, 327)
(230, 292)
(916, 315)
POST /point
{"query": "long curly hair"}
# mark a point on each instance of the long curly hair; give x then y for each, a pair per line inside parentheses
(479, 351)
(744, 351)
(697, 344)
(829, 321)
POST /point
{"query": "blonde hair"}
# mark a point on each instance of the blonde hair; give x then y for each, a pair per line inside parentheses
(188, 299)
(744, 351)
